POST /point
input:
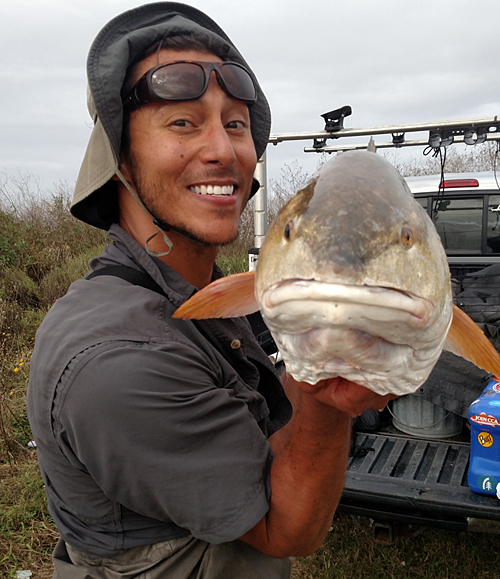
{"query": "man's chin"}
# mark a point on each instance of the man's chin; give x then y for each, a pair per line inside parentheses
(217, 242)
(205, 239)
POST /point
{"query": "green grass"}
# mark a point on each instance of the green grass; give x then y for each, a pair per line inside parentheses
(231, 264)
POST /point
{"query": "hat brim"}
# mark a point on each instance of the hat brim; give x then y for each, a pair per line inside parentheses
(98, 168)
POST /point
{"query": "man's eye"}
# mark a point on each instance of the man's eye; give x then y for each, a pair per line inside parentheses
(181, 123)
(235, 125)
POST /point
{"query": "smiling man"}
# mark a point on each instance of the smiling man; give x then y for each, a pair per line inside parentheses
(169, 448)
(190, 162)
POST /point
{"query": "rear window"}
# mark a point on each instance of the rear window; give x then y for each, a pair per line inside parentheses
(423, 202)
(459, 223)
(467, 217)
(493, 227)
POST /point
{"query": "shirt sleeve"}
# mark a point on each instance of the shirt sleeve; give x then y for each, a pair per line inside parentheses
(170, 434)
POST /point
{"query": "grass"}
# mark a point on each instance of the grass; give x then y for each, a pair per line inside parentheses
(42, 250)
(27, 533)
(350, 553)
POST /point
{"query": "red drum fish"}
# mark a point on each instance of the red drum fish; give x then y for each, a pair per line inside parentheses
(353, 281)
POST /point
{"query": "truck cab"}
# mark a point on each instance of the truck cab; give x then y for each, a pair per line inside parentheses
(465, 209)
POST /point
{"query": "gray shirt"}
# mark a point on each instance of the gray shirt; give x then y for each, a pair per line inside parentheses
(149, 428)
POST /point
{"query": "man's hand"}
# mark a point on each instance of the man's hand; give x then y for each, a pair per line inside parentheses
(347, 396)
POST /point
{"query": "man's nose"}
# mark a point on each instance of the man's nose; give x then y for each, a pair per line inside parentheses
(218, 148)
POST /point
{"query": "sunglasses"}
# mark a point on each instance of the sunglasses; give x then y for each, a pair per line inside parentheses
(184, 80)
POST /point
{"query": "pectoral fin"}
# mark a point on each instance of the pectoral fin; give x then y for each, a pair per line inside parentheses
(227, 297)
(467, 340)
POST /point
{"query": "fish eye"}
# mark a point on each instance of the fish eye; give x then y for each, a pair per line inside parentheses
(406, 236)
(288, 230)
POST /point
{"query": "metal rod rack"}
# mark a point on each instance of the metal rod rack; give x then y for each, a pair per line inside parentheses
(421, 143)
(491, 124)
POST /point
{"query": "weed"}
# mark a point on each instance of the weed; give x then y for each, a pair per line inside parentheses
(231, 264)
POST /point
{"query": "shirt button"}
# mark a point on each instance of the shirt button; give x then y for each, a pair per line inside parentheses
(235, 344)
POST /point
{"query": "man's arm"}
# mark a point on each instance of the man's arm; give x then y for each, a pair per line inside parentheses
(307, 475)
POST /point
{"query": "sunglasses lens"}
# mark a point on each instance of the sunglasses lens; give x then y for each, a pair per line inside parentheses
(178, 81)
(238, 82)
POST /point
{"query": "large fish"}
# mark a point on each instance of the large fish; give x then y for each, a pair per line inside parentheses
(352, 280)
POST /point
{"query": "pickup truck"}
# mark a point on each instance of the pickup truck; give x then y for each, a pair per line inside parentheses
(402, 469)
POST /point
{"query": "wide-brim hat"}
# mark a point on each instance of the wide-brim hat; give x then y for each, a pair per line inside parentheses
(117, 47)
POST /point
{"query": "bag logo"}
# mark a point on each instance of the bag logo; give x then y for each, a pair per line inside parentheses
(487, 484)
(486, 419)
(485, 439)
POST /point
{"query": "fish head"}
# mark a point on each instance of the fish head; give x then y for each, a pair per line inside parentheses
(356, 222)
(353, 272)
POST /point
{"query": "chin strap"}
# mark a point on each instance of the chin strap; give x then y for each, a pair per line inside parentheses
(166, 239)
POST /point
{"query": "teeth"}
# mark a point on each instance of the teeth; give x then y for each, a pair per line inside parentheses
(214, 190)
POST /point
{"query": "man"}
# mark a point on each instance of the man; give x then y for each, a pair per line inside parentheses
(168, 448)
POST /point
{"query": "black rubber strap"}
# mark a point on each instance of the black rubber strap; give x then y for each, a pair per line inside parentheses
(137, 277)
(131, 275)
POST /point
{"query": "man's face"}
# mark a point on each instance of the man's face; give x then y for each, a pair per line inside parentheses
(183, 155)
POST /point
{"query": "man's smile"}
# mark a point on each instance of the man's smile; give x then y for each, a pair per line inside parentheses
(216, 190)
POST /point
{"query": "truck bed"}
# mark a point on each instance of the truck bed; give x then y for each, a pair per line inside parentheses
(414, 481)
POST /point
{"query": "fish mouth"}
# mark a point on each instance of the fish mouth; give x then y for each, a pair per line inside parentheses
(312, 303)
(383, 338)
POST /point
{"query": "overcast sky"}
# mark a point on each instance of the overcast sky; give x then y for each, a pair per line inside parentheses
(393, 61)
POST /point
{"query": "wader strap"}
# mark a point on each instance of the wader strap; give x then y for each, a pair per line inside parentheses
(131, 275)
(136, 277)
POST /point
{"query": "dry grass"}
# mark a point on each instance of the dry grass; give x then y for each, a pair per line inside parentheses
(42, 250)
(350, 553)
(27, 533)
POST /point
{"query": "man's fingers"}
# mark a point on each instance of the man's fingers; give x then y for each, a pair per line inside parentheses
(347, 396)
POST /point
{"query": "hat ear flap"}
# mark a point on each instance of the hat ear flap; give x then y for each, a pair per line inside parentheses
(255, 187)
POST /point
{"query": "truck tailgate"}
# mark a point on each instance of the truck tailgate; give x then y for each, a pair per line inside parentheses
(414, 481)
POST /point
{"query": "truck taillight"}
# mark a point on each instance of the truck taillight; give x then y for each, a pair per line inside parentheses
(453, 183)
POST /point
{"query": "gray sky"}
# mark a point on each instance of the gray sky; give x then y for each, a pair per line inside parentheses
(393, 61)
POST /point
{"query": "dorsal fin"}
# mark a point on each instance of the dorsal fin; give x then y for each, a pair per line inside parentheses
(466, 339)
(227, 297)
(371, 146)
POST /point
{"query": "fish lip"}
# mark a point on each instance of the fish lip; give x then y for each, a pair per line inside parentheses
(420, 310)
